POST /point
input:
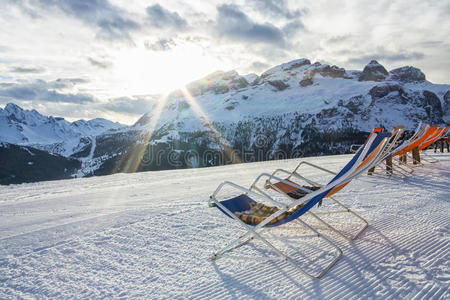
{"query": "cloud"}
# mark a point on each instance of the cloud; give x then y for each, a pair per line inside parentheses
(4, 48)
(162, 18)
(430, 44)
(160, 45)
(75, 81)
(102, 64)
(124, 109)
(234, 24)
(258, 66)
(383, 55)
(277, 8)
(338, 39)
(112, 22)
(27, 69)
(53, 91)
(131, 105)
(292, 28)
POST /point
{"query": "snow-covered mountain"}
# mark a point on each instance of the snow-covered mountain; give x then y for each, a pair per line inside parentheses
(296, 108)
(53, 134)
(299, 87)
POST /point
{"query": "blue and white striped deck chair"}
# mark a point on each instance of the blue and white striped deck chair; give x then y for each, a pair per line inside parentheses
(291, 212)
(296, 189)
(402, 144)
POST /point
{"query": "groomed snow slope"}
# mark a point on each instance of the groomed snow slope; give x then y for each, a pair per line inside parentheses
(150, 235)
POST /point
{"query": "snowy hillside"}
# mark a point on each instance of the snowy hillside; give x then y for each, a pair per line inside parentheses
(296, 107)
(56, 135)
(299, 87)
(136, 236)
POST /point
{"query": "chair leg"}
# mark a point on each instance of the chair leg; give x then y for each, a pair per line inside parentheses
(389, 172)
(346, 210)
(296, 265)
(231, 246)
(366, 224)
(403, 167)
(252, 234)
(414, 159)
(428, 158)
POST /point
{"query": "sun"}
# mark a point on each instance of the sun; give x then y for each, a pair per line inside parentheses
(142, 71)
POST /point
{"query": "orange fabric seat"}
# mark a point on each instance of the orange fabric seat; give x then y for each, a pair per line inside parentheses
(438, 134)
(419, 140)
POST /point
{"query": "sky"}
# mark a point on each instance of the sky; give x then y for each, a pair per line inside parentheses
(114, 58)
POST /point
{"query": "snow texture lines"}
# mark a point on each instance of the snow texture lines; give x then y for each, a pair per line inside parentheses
(150, 235)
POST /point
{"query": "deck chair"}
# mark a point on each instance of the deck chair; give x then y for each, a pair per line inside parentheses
(444, 140)
(405, 145)
(427, 132)
(399, 140)
(282, 213)
(404, 149)
(431, 140)
(438, 134)
(296, 190)
(422, 135)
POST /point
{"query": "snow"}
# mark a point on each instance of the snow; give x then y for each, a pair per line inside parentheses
(53, 134)
(264, 100)
(261, 101)
(150, 235)
(88, 163)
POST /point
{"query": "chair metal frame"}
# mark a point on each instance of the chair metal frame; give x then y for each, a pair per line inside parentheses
(439, 134)
(380, 156)
(255, 232)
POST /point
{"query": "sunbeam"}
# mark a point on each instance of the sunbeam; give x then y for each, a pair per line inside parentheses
(132, 161)
(230, 154)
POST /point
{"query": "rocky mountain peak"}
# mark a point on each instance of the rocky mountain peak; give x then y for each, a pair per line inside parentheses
(144, 120)
(294, 64)
(407, 74)
(29, 127)
(18, 114)
(14, 110)
(251, 78)
(218, 82)
(327, 71)
(373, 71)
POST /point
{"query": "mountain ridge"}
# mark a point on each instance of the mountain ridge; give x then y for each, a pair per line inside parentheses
(30, 128)
(296, 108)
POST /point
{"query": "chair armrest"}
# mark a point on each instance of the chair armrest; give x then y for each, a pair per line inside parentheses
(314, 166)
(212, 198)
(352, 150)
(296, 175)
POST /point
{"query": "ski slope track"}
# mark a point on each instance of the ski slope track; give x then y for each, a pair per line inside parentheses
(150, 235)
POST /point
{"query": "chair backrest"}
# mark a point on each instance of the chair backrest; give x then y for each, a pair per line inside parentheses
(438, 134)
(369, 149)
(356, 166)
(425, 133)
(404, 142)
(286, 185)
(419, 130)
(374, 151)
(392, 146)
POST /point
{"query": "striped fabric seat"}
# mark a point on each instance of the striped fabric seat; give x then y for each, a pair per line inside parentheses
(241, 206)
(248, 212)
(258, 212)
(292, 191)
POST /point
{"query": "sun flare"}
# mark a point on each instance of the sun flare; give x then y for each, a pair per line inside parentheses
(142, 71)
